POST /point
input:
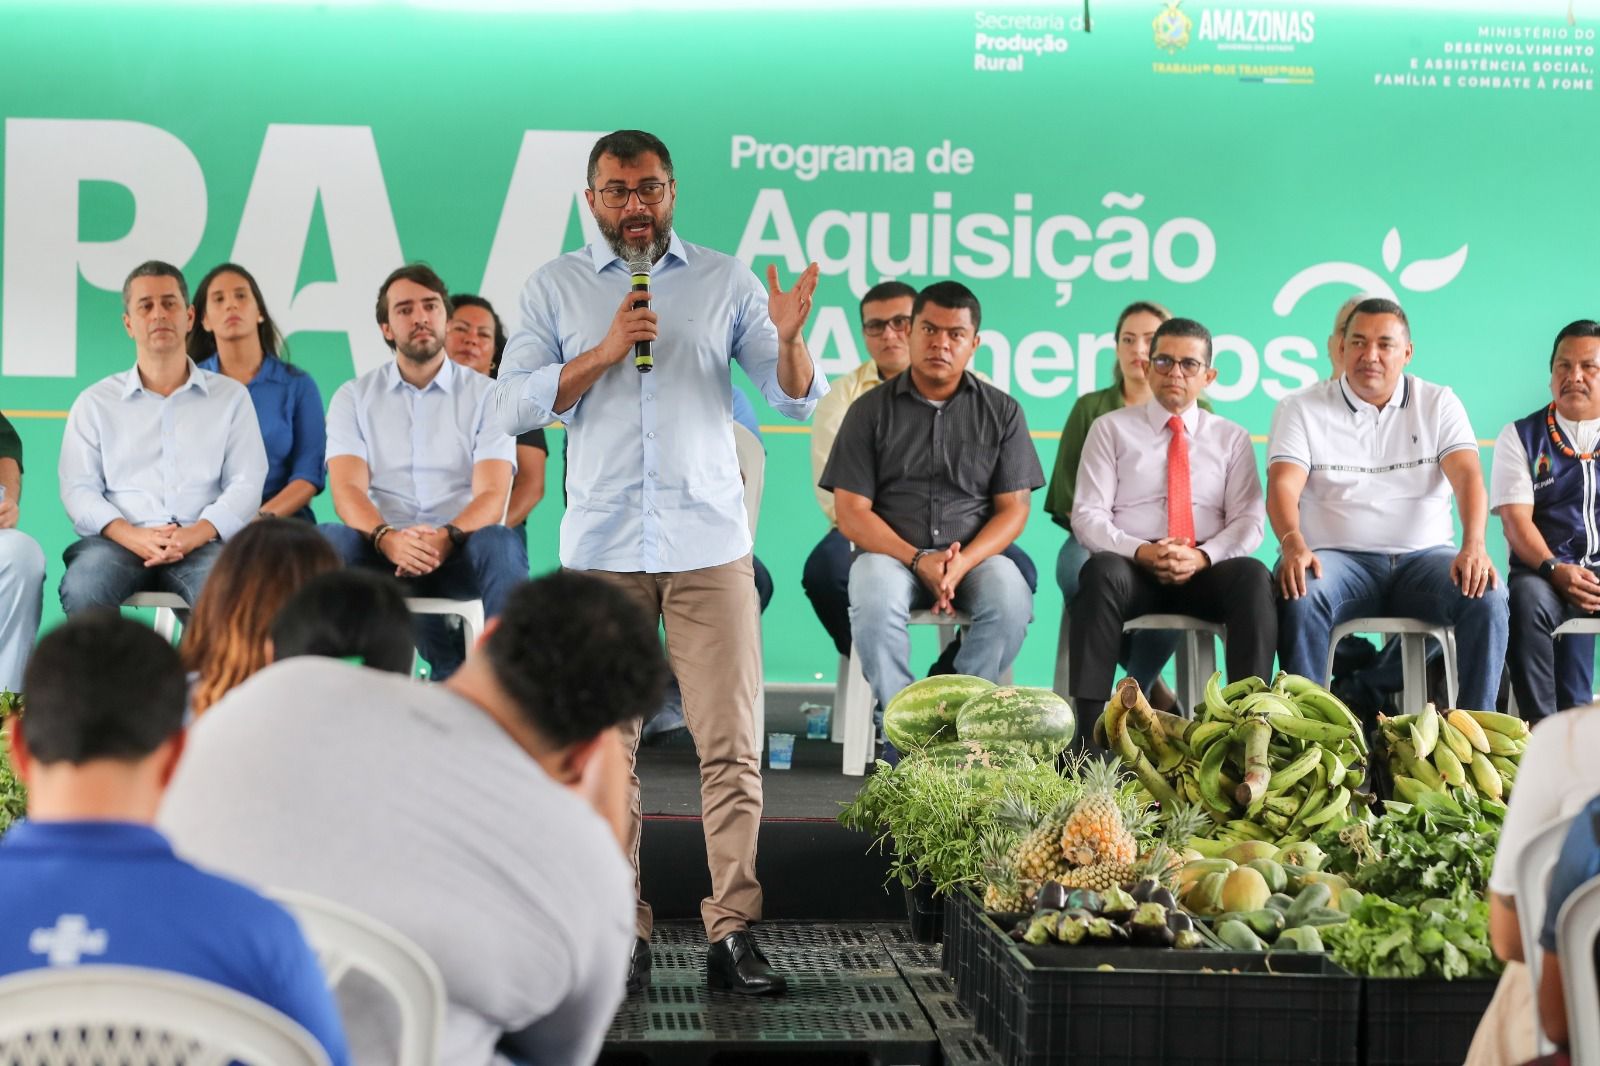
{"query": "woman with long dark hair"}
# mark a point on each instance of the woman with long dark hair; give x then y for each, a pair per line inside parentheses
(235, 336)
(257, 572)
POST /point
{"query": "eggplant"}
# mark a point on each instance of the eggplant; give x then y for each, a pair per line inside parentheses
(1140, 890)
(1149, 927)
(1105, 931)
(1052, 896)
(1086, 899)
(1042, 928)
(1163, 895)
(1118, 905)
(1073, 927)
(1188, 940)
(1178, 922)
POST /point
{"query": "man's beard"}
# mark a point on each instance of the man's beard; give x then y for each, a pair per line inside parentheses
(627, 250)
(420, 349)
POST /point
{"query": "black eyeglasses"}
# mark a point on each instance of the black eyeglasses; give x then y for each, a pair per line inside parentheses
(1190, 367)
(874, 327)
(649, 193)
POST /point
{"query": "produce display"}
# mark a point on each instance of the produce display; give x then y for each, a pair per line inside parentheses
(1267, 763)
(1461, 752)
(1143, 914)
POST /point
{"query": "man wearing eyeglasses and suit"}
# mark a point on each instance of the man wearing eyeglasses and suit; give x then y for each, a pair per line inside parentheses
(1169, 505)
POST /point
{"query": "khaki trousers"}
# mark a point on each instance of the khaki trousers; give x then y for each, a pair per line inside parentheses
(713, 626)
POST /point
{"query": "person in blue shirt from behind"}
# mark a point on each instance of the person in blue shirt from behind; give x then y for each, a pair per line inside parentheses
(86, 880)
(1578, 863)
(235, 336)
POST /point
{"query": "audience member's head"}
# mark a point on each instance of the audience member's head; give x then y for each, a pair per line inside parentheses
(156, 311)
(347, 614)
(1341, 322)
(573, 656)
(103, 727)
(1135, 335)
(228, 305)
(474, 335)
(886, 325)
(256, 571)
(413, 307)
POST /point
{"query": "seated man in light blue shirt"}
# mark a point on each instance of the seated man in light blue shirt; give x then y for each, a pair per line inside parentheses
(159, 463)
(420, 470)
(655, 504)
(86, 879)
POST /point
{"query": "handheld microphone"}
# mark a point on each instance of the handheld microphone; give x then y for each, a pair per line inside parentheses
(643, 361)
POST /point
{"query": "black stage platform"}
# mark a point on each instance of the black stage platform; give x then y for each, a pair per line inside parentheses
(861, 991)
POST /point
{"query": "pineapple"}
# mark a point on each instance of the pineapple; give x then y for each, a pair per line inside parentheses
(1037, 856)
(1100, 876)
(1003, 893)
(1095, 832)
(1187, 820)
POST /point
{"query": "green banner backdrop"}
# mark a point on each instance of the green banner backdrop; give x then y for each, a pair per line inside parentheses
(1250, 165)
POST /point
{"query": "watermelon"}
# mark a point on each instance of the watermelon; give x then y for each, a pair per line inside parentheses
(1035, 717)
(925, 711)
(971, 755)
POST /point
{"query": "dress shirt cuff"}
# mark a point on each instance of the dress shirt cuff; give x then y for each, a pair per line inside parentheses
(797, 408)
(1107, 538)
(226, 523)
(1220, 549)
(538, 406)
(90, 516)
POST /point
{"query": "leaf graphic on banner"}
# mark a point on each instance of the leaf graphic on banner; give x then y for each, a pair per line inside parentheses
(1391, 250)
(1426, 275)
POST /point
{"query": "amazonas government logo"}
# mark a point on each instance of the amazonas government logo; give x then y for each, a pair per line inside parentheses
(1172, 28)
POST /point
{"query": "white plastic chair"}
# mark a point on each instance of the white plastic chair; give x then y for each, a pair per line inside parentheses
(139, 1017)
(753, 470)
(1534, 865)
(1197, 656)
(1577, 927)
(170, 608)
(346, 939)
(469, 611)
(1413, 634)
(854, 695)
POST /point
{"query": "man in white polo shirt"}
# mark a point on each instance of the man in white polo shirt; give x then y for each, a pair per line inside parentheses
(1360, 471)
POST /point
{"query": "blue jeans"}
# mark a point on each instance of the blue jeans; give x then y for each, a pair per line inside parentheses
(21, 600)
(1144, 653)
(1547, 675)
(826, 579)
(102, 573)
(884, 592)
(1413, 585)
(492, 562)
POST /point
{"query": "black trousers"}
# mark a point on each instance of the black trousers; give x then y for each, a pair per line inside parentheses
(1112, 589)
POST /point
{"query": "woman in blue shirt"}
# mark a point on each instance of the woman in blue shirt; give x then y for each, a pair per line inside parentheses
(235, 336)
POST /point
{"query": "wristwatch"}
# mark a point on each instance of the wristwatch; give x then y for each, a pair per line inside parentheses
(457, 538)
(1547, 568)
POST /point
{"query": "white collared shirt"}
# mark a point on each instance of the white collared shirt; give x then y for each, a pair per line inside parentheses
(420, 445)
(1374, 482)
(1511, 479)
(1121, 498)
(134, 454)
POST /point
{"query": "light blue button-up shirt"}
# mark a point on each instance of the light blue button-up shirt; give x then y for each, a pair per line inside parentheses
(652, 475)
(420, 445)
(134, 454)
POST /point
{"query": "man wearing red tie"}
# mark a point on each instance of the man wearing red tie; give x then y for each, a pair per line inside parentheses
(1170, 505)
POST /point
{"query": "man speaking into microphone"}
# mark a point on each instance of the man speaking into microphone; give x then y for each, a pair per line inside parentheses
(655, 502)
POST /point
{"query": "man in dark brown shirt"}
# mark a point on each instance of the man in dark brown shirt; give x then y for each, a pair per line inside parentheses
(930, 476)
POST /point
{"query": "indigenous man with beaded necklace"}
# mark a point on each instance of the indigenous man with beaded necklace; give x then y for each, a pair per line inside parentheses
(1543, 487)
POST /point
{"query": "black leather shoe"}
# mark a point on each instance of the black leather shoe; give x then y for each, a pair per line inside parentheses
(639, 966)
(736, 963)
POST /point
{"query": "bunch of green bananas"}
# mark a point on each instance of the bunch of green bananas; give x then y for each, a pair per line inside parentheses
(1474, 752)
(1266, 762)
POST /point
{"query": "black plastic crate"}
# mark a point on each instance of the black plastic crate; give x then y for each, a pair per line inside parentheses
(925, 909)
(1421, 1021)
(1053, 1004)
